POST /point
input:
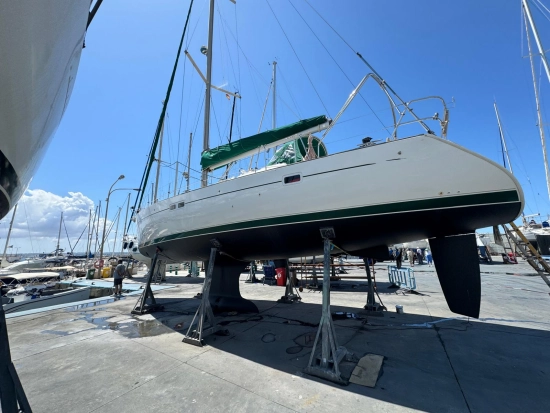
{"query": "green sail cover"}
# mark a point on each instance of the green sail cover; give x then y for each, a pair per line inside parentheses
(295, 151)
(216, 156)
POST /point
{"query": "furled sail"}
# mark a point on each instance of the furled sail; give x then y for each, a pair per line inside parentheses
(224, 154)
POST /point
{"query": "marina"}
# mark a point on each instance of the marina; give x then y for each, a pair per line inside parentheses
(355, 239)
(433, 360)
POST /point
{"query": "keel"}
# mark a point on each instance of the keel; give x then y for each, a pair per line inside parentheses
(224, 291)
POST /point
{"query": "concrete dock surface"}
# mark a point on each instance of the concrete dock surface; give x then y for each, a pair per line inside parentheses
(100, 358)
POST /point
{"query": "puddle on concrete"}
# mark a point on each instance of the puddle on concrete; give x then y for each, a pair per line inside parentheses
(142, 328)
(130, 329)
(306, 340)
(268, 338)
(294, 350)
(56, 332)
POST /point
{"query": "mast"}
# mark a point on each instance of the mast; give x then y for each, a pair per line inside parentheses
(274, 117)
(502, 139)
(527, 15)
(155, 199)
(89, 240)
(59, 234)
(537, 39)
(232, 117)
(206, 137)
(125, 221)
(189, 160)
(3, 263)
(116, 229)
(97, 227)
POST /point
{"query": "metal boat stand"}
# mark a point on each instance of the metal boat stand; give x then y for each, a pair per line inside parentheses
(291, 292)
(372, 306)
(252, 274)
(146, 302)
(326, 365)
(204, 311)
(12, 393)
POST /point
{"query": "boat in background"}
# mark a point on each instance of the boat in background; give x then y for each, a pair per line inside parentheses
(23, 266)
(41, 44)
(30, 297)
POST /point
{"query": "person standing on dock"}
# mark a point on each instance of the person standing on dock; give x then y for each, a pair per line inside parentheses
(120, 270)
(419, 256)
(429, 257)
(398, 258)
(411, 257)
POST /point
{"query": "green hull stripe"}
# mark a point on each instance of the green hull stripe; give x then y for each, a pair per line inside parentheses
(408, 206)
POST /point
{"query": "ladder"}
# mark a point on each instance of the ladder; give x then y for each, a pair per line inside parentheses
(528, 251)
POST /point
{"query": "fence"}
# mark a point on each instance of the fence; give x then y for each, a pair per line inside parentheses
(402, 278)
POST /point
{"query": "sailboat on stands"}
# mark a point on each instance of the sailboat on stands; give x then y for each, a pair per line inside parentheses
(239, 217)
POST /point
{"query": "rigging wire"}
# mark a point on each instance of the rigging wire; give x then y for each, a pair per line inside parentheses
(338, 65)
(521, 165)
(257, 73)
(297, 113)
(28, 226)
(538, 5)
(181, 116)
(78, 240)
(333, 29)
(216, 120)
(199, 19)
(226, 44)
(68, 239)
(239, 124)
(297, 57)
(265, 107)
(97, 231)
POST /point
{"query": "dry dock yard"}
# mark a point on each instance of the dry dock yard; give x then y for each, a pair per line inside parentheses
(97, 357)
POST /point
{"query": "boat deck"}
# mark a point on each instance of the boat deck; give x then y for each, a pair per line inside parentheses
(99, 358)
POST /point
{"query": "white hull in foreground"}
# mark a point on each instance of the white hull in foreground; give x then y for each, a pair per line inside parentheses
(40, 47)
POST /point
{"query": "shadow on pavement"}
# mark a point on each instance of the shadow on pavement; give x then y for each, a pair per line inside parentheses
(431, 364)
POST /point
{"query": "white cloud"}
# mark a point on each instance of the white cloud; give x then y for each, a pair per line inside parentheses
(36, 224)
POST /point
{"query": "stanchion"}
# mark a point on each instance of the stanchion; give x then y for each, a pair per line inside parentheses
(204, 312)
(291, 293)
(146, 302)
(372, 305)
(326, 365)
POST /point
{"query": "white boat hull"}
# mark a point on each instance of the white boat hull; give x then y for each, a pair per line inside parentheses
(40, 47)
(395, 192)
(78, 294)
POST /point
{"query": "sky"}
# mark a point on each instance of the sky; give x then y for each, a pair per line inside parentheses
(470, 53)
